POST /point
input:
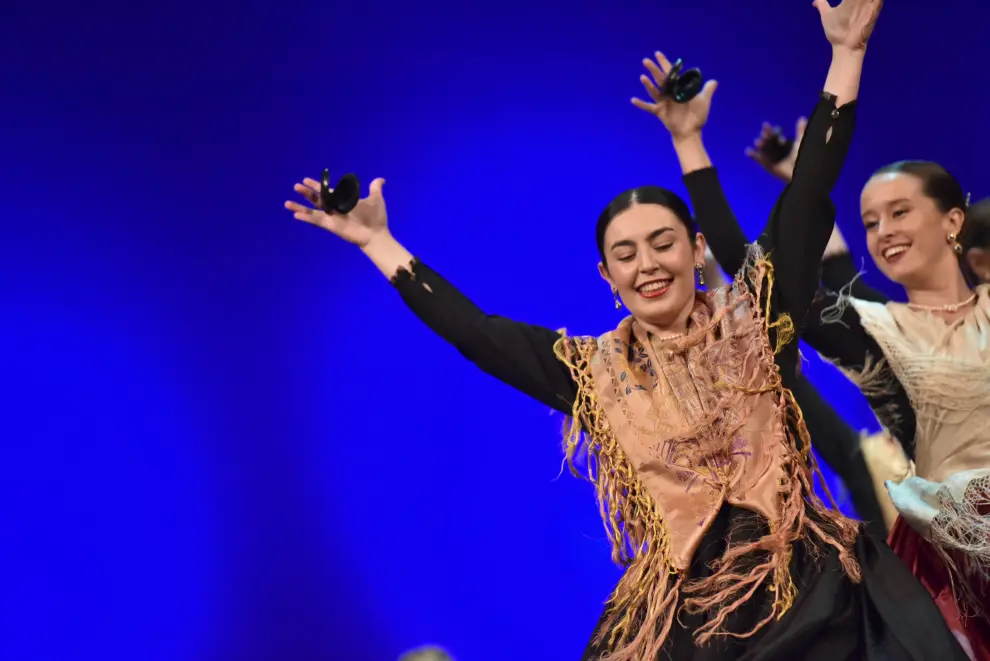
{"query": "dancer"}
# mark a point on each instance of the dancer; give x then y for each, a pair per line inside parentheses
(931, 354)
(923, 367)
(885, 457)
(681, 419)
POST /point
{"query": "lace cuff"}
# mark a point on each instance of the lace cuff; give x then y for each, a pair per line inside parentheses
(963, 520)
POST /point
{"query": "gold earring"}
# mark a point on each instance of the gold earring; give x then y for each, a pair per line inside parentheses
(615, 297)
(701, 274)
(956, 246)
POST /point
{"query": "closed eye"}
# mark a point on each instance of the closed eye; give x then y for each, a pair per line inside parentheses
(665, 246)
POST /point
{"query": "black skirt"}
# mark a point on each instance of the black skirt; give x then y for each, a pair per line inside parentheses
(887, 617)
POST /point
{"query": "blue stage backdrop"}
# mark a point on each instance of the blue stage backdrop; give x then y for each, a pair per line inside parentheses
(224, 438)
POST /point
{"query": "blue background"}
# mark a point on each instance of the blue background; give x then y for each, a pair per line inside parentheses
(223, 437)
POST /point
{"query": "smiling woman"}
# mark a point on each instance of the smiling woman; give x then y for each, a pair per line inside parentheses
(923, 365)
(913, 212)
(650, 253)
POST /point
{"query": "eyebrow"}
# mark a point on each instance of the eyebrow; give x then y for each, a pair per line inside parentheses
(629, 242)
(900, 200)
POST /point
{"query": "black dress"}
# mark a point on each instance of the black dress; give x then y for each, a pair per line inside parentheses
(888, 616)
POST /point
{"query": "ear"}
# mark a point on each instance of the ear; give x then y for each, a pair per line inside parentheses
(603, 271)
(700, 248)
(954, 221)
(979, 260)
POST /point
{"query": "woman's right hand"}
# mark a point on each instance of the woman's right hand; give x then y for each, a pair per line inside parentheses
(365, 222)
(683, 120)
(784, 169)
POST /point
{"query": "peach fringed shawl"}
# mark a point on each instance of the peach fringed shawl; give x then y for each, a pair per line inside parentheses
(669, 432)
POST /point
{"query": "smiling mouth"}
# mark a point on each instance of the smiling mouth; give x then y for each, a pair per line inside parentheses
(894, 253)
(654, 288)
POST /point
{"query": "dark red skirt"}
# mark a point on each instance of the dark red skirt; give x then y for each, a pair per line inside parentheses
(924, 562)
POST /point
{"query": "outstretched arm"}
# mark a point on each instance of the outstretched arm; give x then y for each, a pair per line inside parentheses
(518, 354)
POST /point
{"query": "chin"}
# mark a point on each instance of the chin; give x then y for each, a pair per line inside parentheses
(666, 310)
(903, 274)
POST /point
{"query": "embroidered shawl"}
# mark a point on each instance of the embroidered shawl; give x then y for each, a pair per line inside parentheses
(669, 432)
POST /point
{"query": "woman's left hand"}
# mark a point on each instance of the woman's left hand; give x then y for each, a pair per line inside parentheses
(681, 119)
(850, 24)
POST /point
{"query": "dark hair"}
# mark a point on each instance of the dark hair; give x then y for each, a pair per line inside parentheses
(936, 182)
(976, 229)
(644, 195)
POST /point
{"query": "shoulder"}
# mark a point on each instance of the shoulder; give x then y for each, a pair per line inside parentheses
(573, 349)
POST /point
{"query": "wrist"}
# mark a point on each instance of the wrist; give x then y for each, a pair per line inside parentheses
(691, 152)
(387, 254)
(785, 174)
(690, 140)
(848, 53)
(378, 242)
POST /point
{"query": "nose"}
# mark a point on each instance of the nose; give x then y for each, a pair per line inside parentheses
(647, 264)
(885, 228)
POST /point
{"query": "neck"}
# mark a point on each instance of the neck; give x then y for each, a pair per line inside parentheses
(945, 291)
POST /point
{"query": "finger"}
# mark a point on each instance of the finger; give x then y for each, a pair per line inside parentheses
(663, 62)
(822, 6)
(658, 73)
(753, 154)
(643, 105)
(312, 184)
(766, 131)
(708, 90)
(651, 89)
(297, 208)
(333, 223)
(375, 189)
(309, 194)
(802, 124)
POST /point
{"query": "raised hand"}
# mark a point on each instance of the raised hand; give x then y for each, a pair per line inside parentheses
(850, 24)
(784, 169)
(681, 119)
(366, 221)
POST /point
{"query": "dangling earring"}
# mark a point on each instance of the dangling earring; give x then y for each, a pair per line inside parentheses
(956, 246)
(615, 297)
(701, 274)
